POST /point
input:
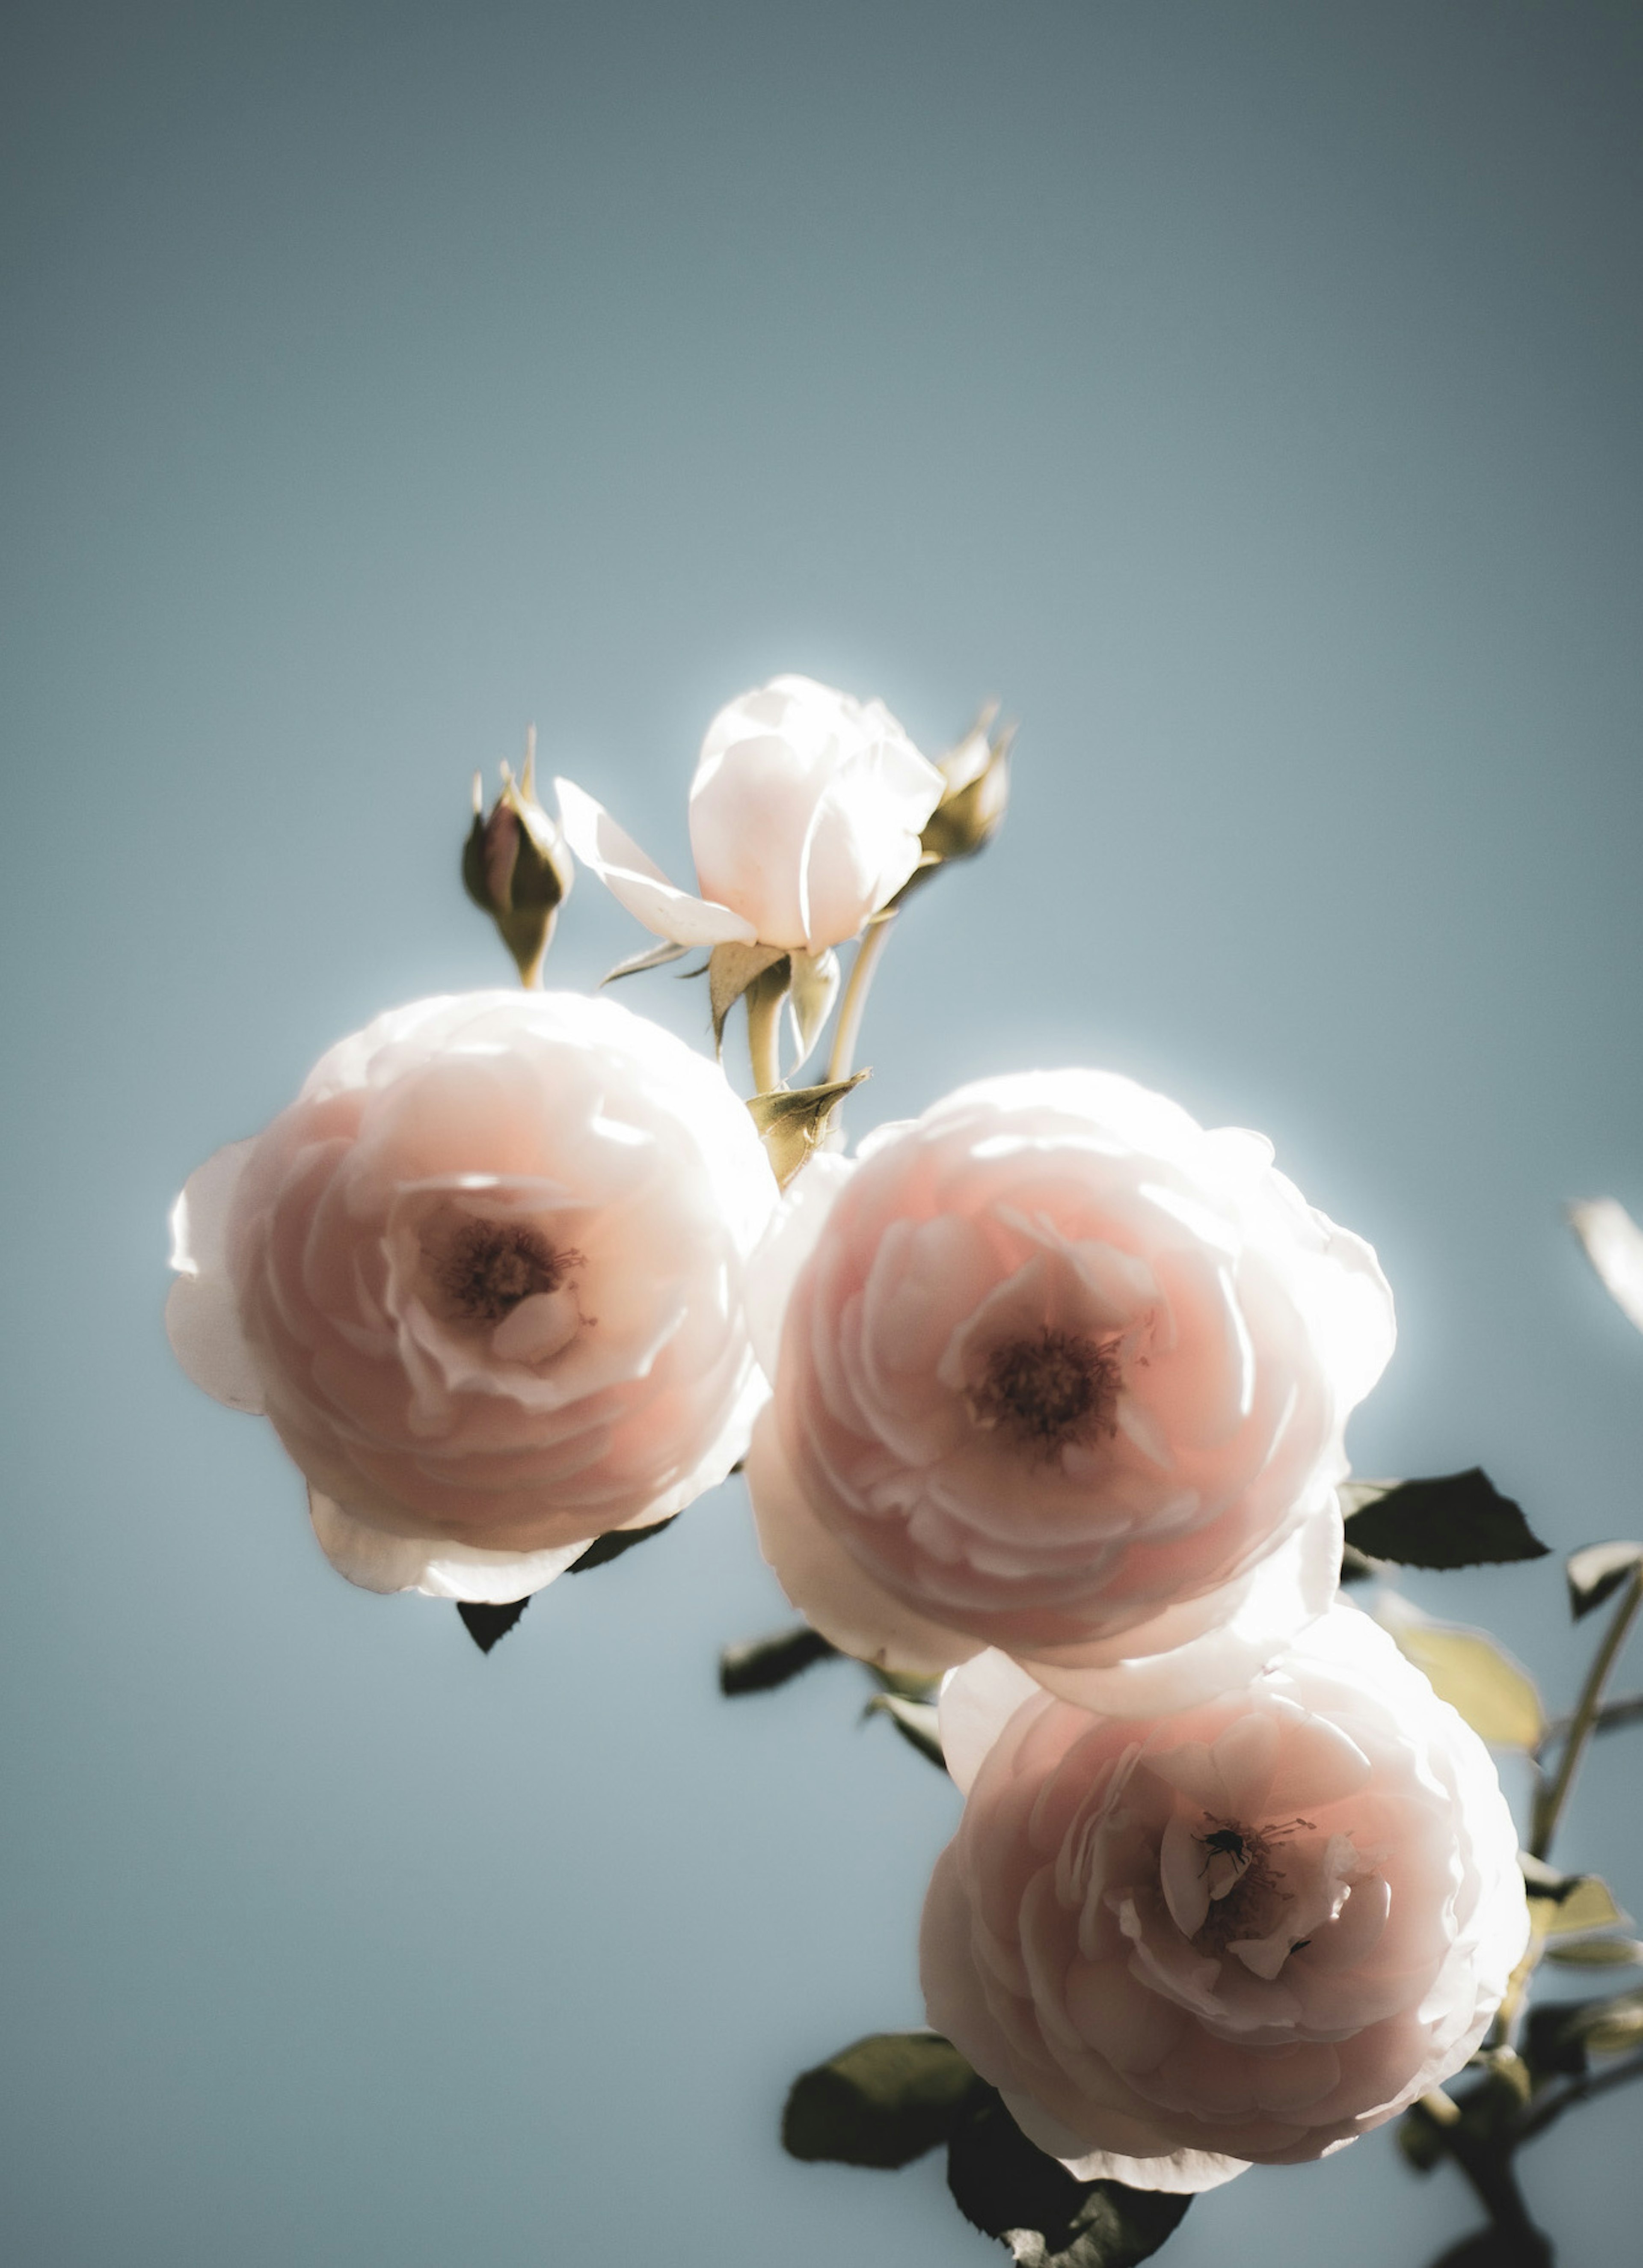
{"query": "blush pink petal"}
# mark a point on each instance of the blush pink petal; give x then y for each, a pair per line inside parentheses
(1075, 1950)
(1223, 1330)
(457, 1438)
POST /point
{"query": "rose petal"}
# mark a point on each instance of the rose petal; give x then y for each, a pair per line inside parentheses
(637, 882)
(203, 1310)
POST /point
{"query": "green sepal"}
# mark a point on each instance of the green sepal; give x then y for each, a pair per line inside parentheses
(792, 1121)
(613, 1544)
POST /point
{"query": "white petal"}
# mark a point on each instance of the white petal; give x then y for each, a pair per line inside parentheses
(978, 1699)
(439, 1569)
(1614, 1245)
(201, 1312)
(1182, 2172)
(832, 1593)
(637, 882)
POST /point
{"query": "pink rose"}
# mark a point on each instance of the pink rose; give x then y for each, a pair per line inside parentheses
(806, 812)
(1245, 1931)
(1068, 1375)
(485, 1278)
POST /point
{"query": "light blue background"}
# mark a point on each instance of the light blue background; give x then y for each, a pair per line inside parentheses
(1247, 393)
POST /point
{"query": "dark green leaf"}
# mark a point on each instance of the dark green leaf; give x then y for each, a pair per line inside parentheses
(1459, 1520)
(883, 2102)
(1356, 1566)
(1010, 2189)
(485, 1625)
(612, 1544)
(1560, 2035)
(1597, 1572)
(761, 1664)
(915, 1720)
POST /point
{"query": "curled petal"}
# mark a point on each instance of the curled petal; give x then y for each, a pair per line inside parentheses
(377, 1561)
(640, 884)
(203, 1312)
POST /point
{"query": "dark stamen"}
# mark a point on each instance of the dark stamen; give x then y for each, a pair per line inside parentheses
(489, 1266)
(1047, 1390)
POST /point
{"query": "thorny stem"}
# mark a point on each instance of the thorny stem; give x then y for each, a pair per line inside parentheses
(1551, 1802)
(853, 1005)
(764, 1031)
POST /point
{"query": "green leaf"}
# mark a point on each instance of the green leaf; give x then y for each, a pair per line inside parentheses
(1459, 1519)
(613, 1544)
(1005, 2186)
(1560, 2035)
(916, 1721)
(1568, 1905)
(792, 1121)
(1598, 1952)
(883, 2102)
(1597, 1572)
(1496, 1695)
(761, 1664)
(731, 969)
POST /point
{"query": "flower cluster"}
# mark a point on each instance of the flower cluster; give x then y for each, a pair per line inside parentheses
(1046, 1390)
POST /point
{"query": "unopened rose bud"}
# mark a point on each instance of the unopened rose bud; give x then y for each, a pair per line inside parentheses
(516, 866)
(976, 774)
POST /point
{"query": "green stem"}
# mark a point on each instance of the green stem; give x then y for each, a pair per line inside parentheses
(1550, 1805)
(764, 1031)
(853, 1005)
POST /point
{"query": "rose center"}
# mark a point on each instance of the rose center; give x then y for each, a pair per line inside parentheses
(1246, 1883)
(489, 1266)
(1047, 1390)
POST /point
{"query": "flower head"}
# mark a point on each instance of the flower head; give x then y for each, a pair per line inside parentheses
(1244, 1932)
(485, 1278)
(804, 818)
(1066, 1374)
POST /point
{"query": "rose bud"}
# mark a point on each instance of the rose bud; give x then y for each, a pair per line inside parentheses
(1065, 1374)
(804, 818)
(1245, 1931)
(516, 867)
(976, 790)
(484, 1275)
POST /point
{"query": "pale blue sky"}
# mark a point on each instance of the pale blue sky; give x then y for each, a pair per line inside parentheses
(1248, 394)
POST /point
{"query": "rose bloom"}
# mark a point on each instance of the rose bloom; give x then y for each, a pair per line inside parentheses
(805, 812)
(1244, 1932)
(485, 1278)
(1065, 1374)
